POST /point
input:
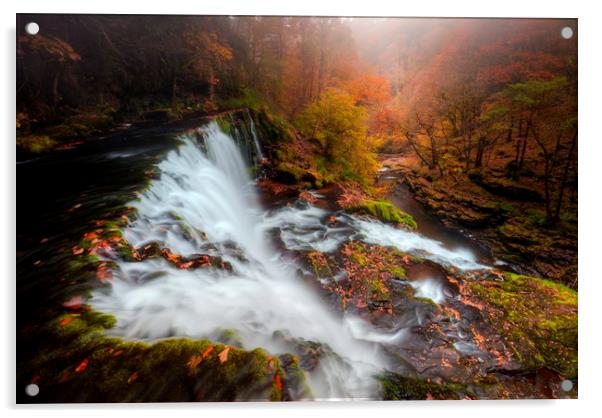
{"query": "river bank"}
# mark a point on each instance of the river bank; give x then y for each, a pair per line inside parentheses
(507, 220)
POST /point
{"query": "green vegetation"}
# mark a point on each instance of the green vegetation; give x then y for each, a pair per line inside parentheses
(339, 127)
(385, 211)
(319, 264)
(247, 99)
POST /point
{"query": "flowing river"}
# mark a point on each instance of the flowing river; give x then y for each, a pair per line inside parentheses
(206, 202)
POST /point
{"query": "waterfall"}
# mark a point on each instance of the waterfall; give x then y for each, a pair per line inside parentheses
(205, 202)
(254, 135)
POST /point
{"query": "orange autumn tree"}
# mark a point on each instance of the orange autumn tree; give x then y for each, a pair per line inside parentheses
(368, 89)
(338, 124)
(208, 58)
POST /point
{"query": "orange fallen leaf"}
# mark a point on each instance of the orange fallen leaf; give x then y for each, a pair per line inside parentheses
(133, 377)
(66, 320)
(277, 382)
(82, 366)
(103, 275)
(77, 251)
(207, 352)
(223, 356)
(194, 361)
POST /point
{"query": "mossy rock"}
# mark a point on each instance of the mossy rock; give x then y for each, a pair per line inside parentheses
(537, 318)
(504, 187)
(289, 173)
(76, 360)
(272, 128)
(400, 388)
(319, 264)
(81, 364)
(384, 211)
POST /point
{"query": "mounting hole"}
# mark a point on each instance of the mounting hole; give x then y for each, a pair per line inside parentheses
(32, 389)
(566, 32)
(32, 28)
(566, 385)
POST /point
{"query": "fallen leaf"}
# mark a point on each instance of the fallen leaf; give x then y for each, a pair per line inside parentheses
(207, 352)
(277, 382)
(133, 377)
(82, 366)
(194, 361)
(223, 356)
(103, 275)
(66, 320)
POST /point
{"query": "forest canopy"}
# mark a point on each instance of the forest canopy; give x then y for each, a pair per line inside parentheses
(461, 94)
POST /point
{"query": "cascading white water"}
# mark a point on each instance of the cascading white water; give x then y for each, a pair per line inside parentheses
(255, 136)
(205, 202)
(302, 228)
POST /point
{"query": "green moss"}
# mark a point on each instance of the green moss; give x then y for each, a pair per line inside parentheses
(397, 387)
(359, 257)
(537, 317)
(377, 289)
(289, 173)
(273, 128)
(385, 211)
(319, 264)
(84, 365)
(399, 272)
(224, 124)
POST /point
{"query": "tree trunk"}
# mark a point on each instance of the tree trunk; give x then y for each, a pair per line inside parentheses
(174, 89)
(55, 87)
(211, 84)
(415, 148)
(524, 149)
(480, 150)
(564, 178)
